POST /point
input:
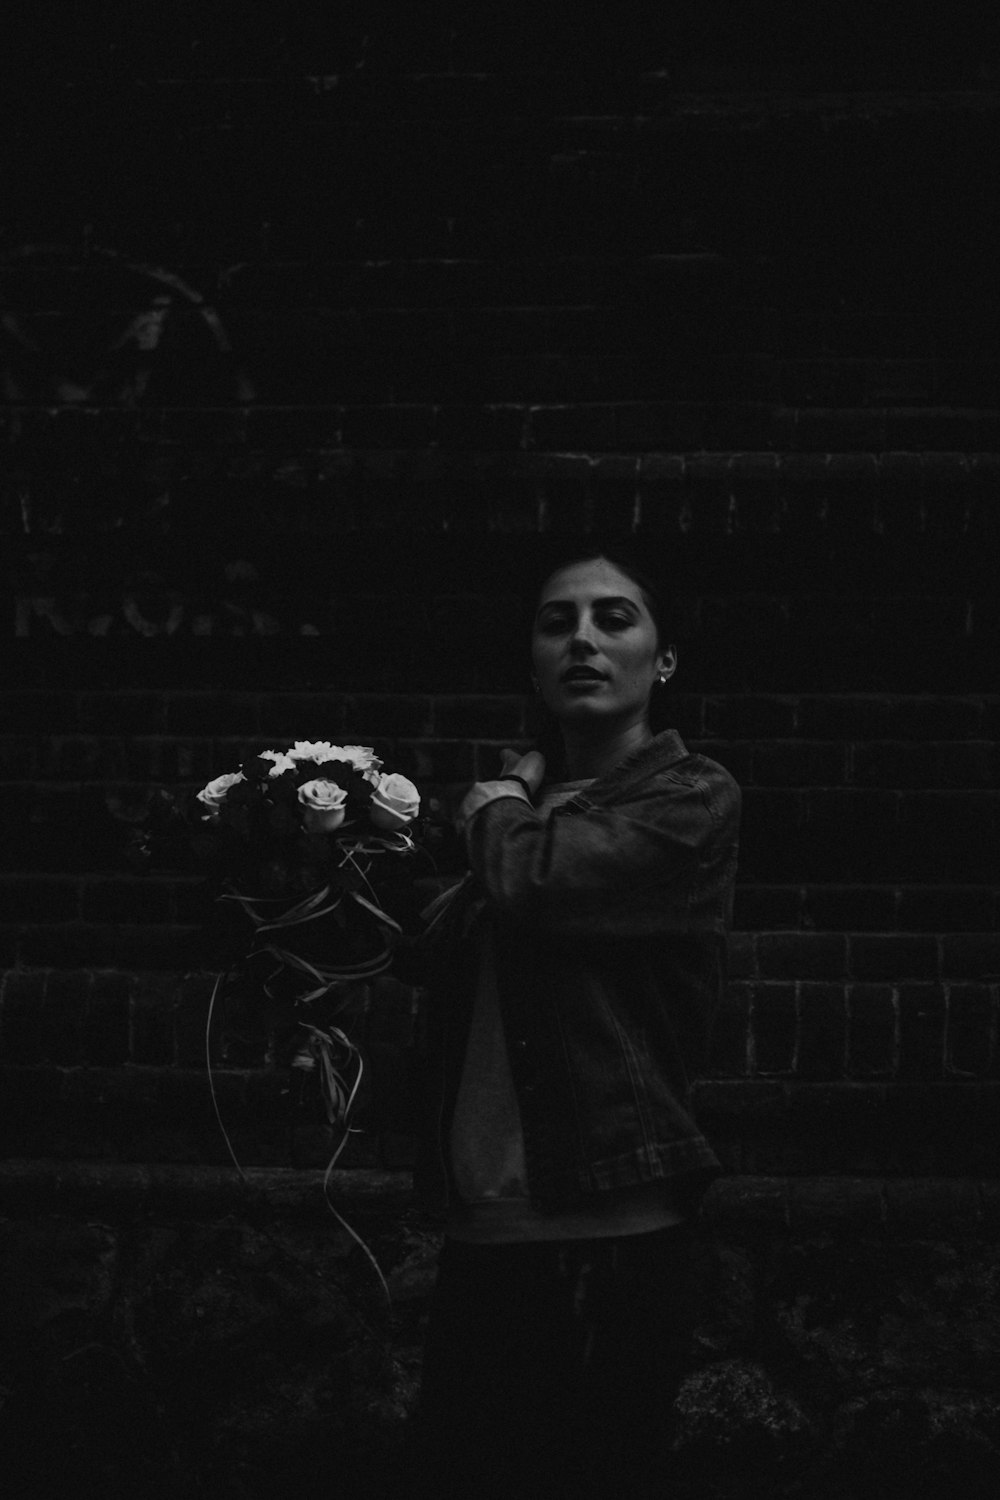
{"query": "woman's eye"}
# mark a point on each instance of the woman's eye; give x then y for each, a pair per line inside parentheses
(615, 622)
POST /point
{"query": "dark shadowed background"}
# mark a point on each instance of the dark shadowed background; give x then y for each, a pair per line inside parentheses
(321, 328)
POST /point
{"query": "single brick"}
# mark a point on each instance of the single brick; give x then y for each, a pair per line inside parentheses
(822, 1040)
(410, 426)
(154, 1000)
(492, 428)
(759, 508)
(956, 432)
(66, 1004)
(212, 713)
(871, 1030)
(945, 908)
(933, 1208)
(892, 956)
(946, 834)
(801, 955)
(849, 907)
(193, 1001)
(730, 1033)
(84, 758)
(711, 503)
(564, 495)
(958, 764)
(971, 1029)
(46, 711)
(741, 955)
(614, 494)
(771, 835)
(839, 431)
(479, 717)
(105, 1031)
(664, 502)
(738, 1104)
(370, 714)
(850, 835)
(794, 763)
(834, 1128)
(673, 426)
(773, 1028)
(745, 717)
(938, 1128)
(971, 955)
(296, 429)
(759, 907)
(135, 900)
(285, 717)
(19, 757)
(824, 1205)
(123, 712)
(739, 1206)
(24, 898)
(921, 1031)
(882, 717)
(22, 1017)
(989, 1198)
(900, 493)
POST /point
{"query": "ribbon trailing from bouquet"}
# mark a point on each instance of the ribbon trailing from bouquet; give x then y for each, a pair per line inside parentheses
(330, 1053)
(319, 904)
(338, 1101)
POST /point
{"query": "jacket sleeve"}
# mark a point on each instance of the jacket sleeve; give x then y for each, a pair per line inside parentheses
(596, 869)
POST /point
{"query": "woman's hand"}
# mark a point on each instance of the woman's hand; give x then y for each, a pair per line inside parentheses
(530, 766)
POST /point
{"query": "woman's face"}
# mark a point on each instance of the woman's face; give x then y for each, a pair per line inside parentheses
(594, 646)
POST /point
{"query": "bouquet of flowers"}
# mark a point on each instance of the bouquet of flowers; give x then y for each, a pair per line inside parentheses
(305, 847)
(303, 841)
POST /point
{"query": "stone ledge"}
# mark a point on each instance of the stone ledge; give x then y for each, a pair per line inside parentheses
(126, 1188)
(895, 1207)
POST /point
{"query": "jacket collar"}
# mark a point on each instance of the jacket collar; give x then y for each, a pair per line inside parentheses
(663, 751)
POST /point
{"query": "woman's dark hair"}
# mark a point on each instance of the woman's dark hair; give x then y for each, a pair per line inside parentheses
(661, 597)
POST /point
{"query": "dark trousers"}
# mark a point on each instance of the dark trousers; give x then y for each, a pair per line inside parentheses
(550, 1368)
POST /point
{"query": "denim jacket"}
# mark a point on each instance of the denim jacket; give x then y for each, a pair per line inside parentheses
(609, 923)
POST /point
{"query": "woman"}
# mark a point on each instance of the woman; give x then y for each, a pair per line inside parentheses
(570, 1012)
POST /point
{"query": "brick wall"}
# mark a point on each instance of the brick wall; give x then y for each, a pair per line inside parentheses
(319, 324)
(318, 331)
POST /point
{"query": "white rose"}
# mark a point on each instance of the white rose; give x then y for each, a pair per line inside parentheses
(312, 750)
(282, 762)
(395, 801)
(213, 795)
(363, 757)
(325, 805)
